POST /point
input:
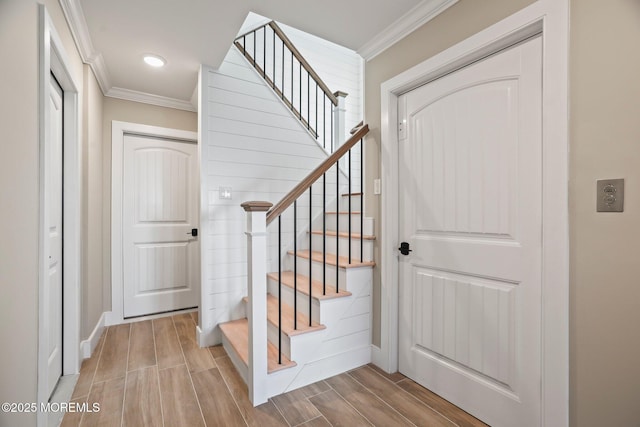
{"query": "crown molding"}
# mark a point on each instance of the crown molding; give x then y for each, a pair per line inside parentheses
(147, 98)
(422, 13)
(74, 15)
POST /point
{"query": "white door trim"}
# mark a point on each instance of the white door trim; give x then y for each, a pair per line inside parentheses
(53, 58)
(118, 131)
(551, 19)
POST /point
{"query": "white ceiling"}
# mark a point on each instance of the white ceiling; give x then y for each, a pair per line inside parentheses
(113, 35)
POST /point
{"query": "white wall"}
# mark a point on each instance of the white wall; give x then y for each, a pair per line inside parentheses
(340, 68)
(252, 144)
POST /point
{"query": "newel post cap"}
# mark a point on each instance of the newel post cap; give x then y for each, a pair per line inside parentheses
(256, 206)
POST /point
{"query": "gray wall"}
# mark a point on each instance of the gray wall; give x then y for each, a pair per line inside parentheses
(93, 247)
(605, 247)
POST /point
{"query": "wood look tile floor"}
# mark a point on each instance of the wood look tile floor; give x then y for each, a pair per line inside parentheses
(152, 373)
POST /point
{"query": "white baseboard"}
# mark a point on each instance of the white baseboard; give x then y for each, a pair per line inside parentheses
(208, 338)
(89, 345)
(377, 358)
(112, 319)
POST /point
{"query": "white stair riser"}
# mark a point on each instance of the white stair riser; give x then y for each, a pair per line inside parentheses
(355, 203)
(303, 300)
(272, 336)
(293, 346)
(303, 268)
(344, 223)
(290, 344)
(316, 244)
(242, 369)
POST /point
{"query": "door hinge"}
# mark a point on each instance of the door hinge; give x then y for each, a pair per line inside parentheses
(402, 133)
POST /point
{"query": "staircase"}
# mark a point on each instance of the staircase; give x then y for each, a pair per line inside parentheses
(336, 337)
(308, 315)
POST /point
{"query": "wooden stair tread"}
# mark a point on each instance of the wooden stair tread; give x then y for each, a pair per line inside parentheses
(353, 235)
(287, 318)
(303, 286)
(352, 194)
(237, 333)
(343, 261)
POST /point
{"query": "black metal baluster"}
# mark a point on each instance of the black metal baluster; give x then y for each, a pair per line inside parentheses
(316, 99)
(264, 53)
(295, 264)
(310, 248)
(349, 169)
(279, 290)
(324, 234)
(274, 59)
(361, 200)
(324, 120)
(332, 146)
(337, 219)
(255, 54)
(292, 107)
(308, 103)
(282, 86)
(244, 45)
(300, 90)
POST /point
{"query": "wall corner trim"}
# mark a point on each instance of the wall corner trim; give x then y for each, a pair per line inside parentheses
(422, 13)
(74, 15)
(208, 338)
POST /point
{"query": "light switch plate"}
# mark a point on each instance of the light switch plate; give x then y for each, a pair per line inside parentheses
(610, 195)
(224, 193)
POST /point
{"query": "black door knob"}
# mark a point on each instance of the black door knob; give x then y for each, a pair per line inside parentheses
(404, 248)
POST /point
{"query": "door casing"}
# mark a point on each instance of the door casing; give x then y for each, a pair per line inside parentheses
(118, 131)
(54, 59)
(550, 18)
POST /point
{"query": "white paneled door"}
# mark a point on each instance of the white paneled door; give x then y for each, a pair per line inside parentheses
(470, 208)
(53, 289)
(159, 212)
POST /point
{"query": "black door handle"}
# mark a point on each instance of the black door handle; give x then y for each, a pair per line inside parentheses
(193, 232)
(404, 248)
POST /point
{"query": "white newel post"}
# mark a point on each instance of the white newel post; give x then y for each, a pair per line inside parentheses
(257, 306)
(339, 133)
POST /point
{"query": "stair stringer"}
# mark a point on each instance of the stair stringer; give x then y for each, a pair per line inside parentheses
(344, 345)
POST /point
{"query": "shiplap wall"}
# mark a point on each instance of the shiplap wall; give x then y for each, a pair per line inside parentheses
(252, 144)
(342, 69)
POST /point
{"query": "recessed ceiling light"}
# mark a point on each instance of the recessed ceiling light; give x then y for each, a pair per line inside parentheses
(154, 60)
